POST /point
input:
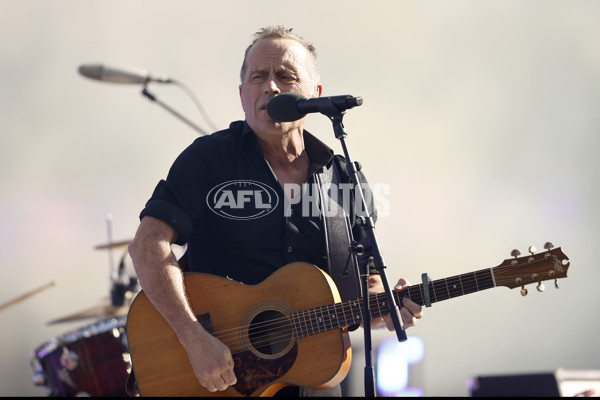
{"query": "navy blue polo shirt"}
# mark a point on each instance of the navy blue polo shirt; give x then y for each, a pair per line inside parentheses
(225, 203)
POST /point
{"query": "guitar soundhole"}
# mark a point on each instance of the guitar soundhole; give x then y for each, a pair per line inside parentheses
(270, 333)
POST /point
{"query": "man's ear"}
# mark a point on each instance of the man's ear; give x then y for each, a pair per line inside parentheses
(318, 90)
(241, 101)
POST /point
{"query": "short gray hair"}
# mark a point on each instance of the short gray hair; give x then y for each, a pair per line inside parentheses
(281, 32)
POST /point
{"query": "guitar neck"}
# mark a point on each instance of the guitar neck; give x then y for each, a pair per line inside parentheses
(340, 315)
(446, 288)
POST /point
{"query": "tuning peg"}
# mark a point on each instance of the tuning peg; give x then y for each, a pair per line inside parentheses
(515, 253)
(532, 249)
(548, 245)
(523, 291)
(540, 287)
(556, 283)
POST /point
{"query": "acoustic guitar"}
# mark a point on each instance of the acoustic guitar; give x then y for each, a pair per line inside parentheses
(291, 329)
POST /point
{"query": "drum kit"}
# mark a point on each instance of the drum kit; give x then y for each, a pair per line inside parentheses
(94, 359)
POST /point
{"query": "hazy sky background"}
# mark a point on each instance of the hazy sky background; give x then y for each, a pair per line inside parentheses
(481, 116)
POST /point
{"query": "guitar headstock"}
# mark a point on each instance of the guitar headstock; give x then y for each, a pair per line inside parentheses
(514, 272)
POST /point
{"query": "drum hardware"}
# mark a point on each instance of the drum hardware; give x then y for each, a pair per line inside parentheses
(69, 360)
(91, 361)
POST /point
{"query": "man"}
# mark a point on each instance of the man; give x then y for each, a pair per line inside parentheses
(245, 244)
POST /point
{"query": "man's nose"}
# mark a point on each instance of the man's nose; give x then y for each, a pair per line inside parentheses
(271, 87)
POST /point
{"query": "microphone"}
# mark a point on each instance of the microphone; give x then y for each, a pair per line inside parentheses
(288, 107)
(120, 74)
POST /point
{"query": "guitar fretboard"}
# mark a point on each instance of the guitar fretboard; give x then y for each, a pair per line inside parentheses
(339, 315)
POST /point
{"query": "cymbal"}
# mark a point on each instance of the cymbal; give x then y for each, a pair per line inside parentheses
(98, 311)
(113, 245)
(27, 295)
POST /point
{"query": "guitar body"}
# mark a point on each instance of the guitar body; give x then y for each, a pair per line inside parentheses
(235, 313)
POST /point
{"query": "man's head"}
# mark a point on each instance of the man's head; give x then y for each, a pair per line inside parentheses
(276, 62)
(281, 32)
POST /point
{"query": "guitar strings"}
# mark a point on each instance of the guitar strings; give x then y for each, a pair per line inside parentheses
(306, 318)
(380, 309)
(314, 319)
(268, 326)
(308, 322)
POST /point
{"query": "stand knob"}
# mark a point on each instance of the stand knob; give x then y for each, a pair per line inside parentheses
(357, 248)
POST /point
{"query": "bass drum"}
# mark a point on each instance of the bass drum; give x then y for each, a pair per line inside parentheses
(92, 361)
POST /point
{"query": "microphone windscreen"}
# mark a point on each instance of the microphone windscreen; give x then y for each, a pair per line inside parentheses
(284, 107)
(93, 71)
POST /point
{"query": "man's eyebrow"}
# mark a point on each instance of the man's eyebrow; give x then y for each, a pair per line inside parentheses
(258, 71)
(285, 66)
(289, 65)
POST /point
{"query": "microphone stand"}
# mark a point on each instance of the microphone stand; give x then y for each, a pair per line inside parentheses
(153, 98)
(336, 116)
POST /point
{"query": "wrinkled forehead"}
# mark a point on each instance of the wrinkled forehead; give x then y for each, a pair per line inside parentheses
(277, 54)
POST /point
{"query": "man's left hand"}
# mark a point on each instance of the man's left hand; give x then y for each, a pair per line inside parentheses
(410, 311)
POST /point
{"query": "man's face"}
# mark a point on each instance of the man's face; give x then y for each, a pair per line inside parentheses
(275, 66)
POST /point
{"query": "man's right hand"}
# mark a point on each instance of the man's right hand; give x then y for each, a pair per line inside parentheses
(211, 360)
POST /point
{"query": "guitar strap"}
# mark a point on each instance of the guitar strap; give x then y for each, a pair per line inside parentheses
(342, 261)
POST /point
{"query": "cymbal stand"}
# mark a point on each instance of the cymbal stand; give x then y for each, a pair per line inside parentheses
(111, 259)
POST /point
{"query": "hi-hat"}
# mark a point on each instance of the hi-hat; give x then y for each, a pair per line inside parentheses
(113, 245)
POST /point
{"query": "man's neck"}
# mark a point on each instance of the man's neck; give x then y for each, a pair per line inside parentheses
(287, 157)
(285, 150)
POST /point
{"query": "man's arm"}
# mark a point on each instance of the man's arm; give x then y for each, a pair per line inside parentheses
(162, 281)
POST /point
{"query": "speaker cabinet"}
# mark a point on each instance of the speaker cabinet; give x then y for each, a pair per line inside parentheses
(565, 383)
